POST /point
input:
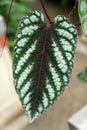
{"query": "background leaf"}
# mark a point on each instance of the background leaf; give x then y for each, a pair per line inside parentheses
(19, 7)
(43, 61)
(82, 76)
(82, 11)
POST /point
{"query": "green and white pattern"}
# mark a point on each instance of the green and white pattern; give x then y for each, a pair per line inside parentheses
(43, 61)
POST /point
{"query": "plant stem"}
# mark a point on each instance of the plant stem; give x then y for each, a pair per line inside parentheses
(7, 22)
(78, 24)
(45, 11)
(74, 8)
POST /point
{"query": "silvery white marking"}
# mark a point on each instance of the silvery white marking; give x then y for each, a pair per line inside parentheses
(73, 41)
(45, 100)
(26, 99)
(57, 53)
(29, 30)
(25, 57)
(26, 31)
(59, 58)
(34, 27)
(64, 33)
(25, 89)
(22, 42)
(67, 48)
(18, 50)
(55, 76)
(72, 29)
(58, 19)
(21, 25)
(40, 108)
(68, 55)
(58, 93)
(66, 45)
(29, 115)
(50, 90)
(26, 21)
(42, 17)
(19, 35)
(65, 78)
(64, 41)
(33, 18)
(27, 107)
(37, 13)
(24, 75)
(65, 24)
(63, 68)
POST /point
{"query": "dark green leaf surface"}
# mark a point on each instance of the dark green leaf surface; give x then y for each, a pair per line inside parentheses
(43, 61)
(82, 11)
(83, 75)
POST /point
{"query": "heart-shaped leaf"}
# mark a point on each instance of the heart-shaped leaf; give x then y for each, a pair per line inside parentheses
(43, 61)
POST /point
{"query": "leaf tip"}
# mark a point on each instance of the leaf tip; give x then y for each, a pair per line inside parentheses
(32, 116)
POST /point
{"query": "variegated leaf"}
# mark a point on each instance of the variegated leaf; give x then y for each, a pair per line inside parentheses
(43, 61)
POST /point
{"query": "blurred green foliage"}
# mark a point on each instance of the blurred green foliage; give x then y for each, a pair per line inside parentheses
(68, 2)
(64, 2)
(82, 11)
(18, 10)
(82, 76)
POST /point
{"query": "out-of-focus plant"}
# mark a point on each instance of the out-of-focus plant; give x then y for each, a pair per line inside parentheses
(64, 2)
(83, 75)
(18, 10)
(82, 10)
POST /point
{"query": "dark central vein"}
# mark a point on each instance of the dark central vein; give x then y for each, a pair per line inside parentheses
(42, 57)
